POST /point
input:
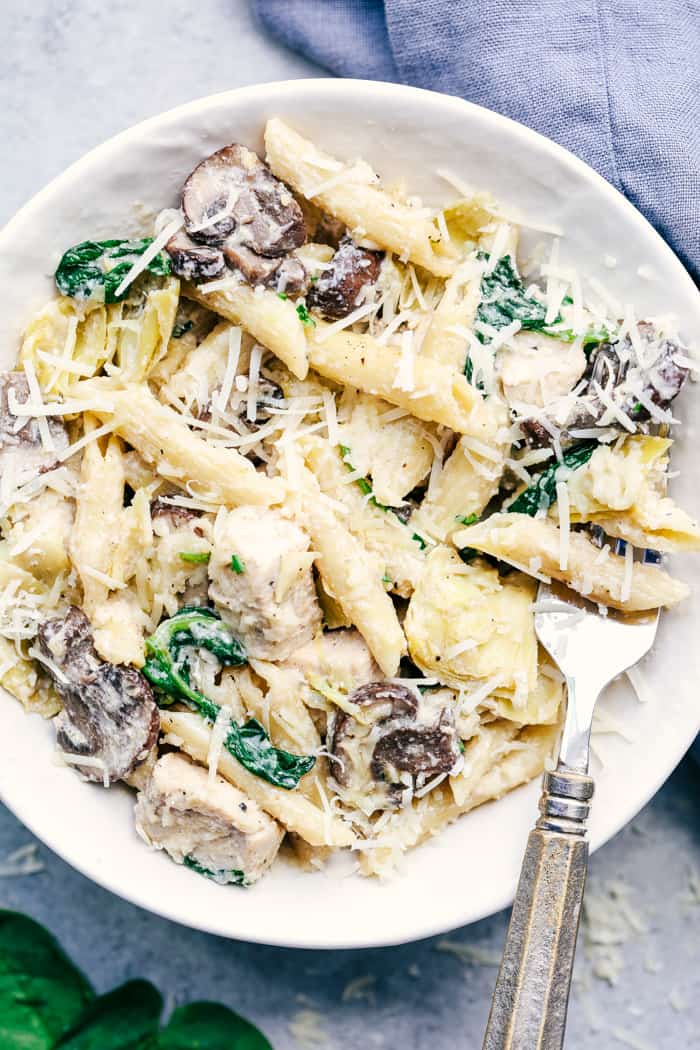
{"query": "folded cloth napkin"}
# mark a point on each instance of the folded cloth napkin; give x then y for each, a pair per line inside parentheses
(615, 81)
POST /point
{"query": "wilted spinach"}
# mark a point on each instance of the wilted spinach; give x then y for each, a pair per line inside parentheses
(47, 1004)
(504, 300)
(166, 668)
(543, 492)
(234, 876)
(87, 270)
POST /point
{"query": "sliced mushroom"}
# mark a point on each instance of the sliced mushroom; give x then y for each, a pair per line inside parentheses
(213, 827)
(172, 513)
(109, 716)
(22, 453)
(399, 741)
(287, 275)
(194, 262)
(344, 285)
(233, 190)
(269, 395)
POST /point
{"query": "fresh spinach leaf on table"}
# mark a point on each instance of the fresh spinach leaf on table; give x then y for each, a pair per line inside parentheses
(210, 1026)
(47, 1004)
(127, 1018)
(41, 993)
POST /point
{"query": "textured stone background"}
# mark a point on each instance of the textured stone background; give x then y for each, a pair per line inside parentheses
(72, 74)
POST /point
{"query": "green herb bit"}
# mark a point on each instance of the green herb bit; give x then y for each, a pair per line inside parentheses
(387, 579)
(84, 271)
(469, 519)
(503, 300)
(304, 315)
(282, 296)
(365, 488)
(234, 877)
(237, 565)
(166, 669)
(195, 557)
(182, 329)
(543, 492)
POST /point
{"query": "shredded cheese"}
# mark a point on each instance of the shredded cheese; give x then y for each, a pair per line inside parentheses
(144, 260)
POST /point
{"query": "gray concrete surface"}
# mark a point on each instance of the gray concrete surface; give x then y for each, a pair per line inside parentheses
(72, 74)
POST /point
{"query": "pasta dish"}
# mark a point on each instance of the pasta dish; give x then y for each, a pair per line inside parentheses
(278, 480)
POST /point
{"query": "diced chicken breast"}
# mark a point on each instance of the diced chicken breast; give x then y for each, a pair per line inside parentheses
(261, 581)
(215, 827)
(539, 369)
(338, 657)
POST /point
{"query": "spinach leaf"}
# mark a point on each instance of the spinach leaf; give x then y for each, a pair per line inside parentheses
(41, 992)
(365, 488)
(166, 668)
(127, 1018)
(47, 1004)
(543, 492)
(503, 300)
(210, 1026)
(234, 876)
(87, 271)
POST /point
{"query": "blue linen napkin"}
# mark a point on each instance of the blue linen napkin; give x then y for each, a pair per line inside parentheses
(615, 81)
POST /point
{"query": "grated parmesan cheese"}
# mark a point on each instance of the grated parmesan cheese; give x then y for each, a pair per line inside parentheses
(254, 386)
(221, 399)
(22, 861)
(143, 261)
(47, 442)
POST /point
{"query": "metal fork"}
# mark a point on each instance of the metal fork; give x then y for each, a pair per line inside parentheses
(531, 997)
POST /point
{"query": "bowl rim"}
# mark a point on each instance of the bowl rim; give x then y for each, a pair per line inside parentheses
(421, 926)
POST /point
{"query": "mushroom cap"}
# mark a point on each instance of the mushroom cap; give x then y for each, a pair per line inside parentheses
(109, 712)
(286, 275)
(233, 190)
(401, 740)
(341, 287)
(193, 261)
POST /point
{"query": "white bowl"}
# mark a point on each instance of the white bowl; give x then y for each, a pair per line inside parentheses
(472, 869)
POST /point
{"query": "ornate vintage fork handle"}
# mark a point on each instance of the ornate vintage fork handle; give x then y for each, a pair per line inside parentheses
(530, 1001)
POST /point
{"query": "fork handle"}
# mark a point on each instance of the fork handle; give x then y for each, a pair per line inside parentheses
(530, 1001)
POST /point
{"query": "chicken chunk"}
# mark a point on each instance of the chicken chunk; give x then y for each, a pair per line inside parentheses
(339, 657)
(212, 827)
(539, 369)
(261, 581)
